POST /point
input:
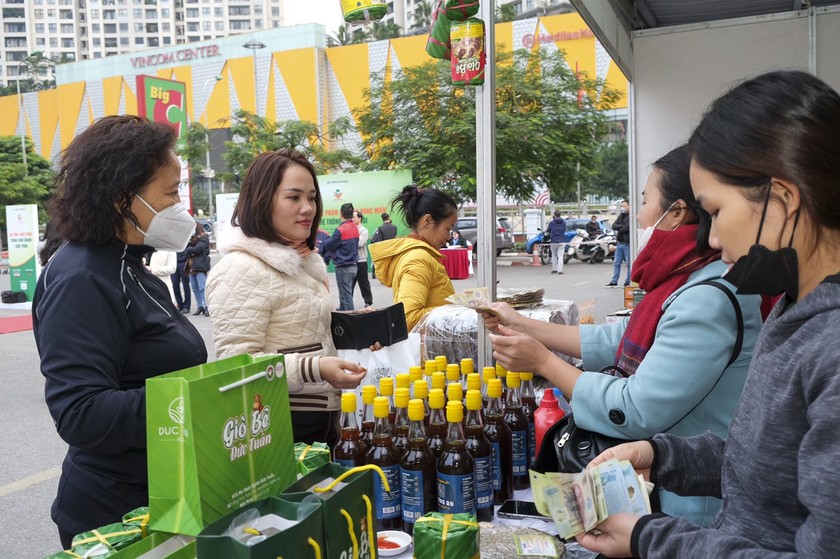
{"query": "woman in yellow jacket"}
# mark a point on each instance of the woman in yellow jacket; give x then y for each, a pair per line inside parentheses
(411, 265)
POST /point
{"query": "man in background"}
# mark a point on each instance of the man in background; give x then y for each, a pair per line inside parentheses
(343, 248)
(557, 234)
(384, 232)
(621, 226)
(362, 265)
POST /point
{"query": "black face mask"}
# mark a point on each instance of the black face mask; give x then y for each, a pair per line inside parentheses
(767, 272)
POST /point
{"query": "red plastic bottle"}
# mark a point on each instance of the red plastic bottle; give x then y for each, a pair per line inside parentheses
(546, 415)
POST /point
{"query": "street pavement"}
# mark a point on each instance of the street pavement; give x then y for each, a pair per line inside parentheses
(31, 452)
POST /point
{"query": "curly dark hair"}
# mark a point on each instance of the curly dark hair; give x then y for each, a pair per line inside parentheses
(102, 170)
(255, 205)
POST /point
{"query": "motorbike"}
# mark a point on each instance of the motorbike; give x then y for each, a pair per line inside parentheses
(541, 242)
(585, 249)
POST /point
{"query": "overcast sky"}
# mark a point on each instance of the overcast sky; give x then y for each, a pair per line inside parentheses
(325, 12)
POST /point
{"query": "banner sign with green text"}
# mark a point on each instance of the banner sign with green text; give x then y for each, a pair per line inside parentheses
(22, 238)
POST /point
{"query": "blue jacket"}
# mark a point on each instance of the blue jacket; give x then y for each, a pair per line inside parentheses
(681, 386)
(343, 246)
(557, 230)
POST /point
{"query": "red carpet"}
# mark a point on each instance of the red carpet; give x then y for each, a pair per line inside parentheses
(15, 324)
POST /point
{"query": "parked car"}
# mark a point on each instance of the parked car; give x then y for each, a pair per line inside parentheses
(468, 227)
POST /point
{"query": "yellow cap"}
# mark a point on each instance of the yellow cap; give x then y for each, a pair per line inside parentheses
(526, 376)
(402, 380)
(473, 381)
(348, 402)
(500, 371)
(473, 399)
(453, 373)
(430, 366)
(381, 407)
(441, 363)
(454, 411)
(467, 365)
(487, 373)
(454, 391)
(415, 373)
(368, 394)
(436, 399)
(438, 380)
(513, 380)
(386, 386)
(494, 388)
(421, 389)
(416, 410)
(401, 398)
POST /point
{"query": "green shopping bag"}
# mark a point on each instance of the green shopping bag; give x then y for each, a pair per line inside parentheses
(160, 545)
(219, 437)
(349, 508)
(272, 528)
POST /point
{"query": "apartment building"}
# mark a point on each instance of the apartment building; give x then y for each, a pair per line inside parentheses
(89, 29)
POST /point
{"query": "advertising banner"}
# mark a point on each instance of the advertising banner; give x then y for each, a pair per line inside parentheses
(165, 101)
(22, 240)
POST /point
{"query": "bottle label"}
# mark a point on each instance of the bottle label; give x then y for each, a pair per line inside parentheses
(520, 453)
(411, 488)
(456, 493)
(345, 463)
(532, 444)
(388, 502)
(497, 466)
(484, 482)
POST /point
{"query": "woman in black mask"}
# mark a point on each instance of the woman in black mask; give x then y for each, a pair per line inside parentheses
(766, 166)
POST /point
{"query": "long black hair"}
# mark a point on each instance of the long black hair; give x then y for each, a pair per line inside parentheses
(780, 125)
(675, 184)
(414, 203)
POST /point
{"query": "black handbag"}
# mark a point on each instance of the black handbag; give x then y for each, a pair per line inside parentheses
(361, 330)
(567, 448)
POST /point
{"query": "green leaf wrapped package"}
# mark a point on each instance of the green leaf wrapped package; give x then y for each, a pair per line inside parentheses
(437, 46)
(446, 536)
(459, 10)
(269, 529)
(363, 10)
(349, 507)
(106, 540)
(310, 457)
(219, 437)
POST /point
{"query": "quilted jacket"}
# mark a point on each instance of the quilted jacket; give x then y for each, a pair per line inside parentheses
(413, 270)
(265, 298)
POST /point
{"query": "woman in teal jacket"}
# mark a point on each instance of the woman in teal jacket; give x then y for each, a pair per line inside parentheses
(676, 347)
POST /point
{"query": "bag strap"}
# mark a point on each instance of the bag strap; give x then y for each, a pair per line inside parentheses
(739, 317)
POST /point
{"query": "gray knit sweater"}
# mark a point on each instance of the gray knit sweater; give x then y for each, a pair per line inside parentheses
(779, 470)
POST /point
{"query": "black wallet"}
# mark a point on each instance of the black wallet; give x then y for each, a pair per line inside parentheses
(360, 331)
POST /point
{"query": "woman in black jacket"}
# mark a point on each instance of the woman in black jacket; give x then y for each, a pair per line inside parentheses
(198, 253)
(104, 324)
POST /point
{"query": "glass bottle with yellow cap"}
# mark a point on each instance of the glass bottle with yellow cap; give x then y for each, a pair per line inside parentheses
(350, 451)
(467, 368)
(518, 423)
(421, 392)
(441, 362)
(499, 435)
(401, 380)
(501, 373)
(529, 406)
(429, 369)
(418, 473)
(437, 421)
(401, 422)
(486, 374)
(384, 454)
(474, 383)
(415, 373)
(454, 392)
(453, 374)
(386, 390)
(455, 467)
(479, 448)
(368, 421)
(438, 380)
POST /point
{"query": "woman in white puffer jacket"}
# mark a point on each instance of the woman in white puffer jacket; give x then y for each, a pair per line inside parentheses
(270, 294)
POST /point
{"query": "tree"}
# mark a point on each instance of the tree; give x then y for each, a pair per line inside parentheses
(422, 15)
(610, 174)
(344, 37)
(34, 185)
(378, 31)
(505, 12)
(547, 121)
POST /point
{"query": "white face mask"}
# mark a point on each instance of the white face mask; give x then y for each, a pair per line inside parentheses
(644, 235)
(170, 228)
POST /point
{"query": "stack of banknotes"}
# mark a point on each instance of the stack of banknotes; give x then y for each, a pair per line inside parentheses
(579, 502)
